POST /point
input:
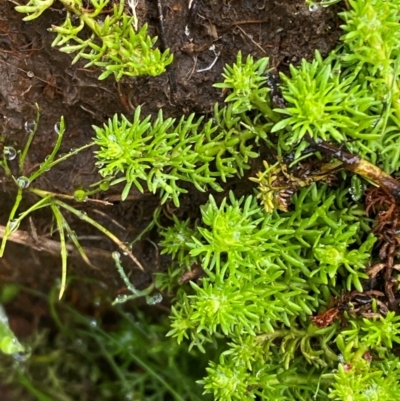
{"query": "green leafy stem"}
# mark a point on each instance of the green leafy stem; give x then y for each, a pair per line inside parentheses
(161, 152)
(115, 45)
(50, 199)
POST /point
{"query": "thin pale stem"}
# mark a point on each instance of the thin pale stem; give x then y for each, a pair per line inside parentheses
(10, 221)
(83, 216)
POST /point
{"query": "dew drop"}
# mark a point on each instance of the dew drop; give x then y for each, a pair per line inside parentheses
(93, 323)
(57, 128)
(29, 126)
(13, 225)
(120, 299)
(42, 165)
(30, 74)
(21, 356)
(9, 152)
(116, 255)
(23, 182)
(313, 8)
(154, 299)
(356, 189)
(79, 342)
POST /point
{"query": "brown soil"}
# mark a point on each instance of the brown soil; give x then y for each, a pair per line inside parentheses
(32, 72)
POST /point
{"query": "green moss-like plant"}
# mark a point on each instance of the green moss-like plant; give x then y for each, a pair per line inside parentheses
(115, 44)
(265, 274)
(280, 284)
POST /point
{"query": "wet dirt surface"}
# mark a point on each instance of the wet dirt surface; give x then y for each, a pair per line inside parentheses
(32, 72)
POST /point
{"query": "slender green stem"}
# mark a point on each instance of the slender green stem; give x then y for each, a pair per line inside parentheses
(298, 379)
(265, 109)
(44, 202)
(10, 221)
(4, 164)
(125, 278)
(32, 389)
(47, 165)
(78, 246)
(60, 224)
(112, 363)
(83, 216)
(153, 373)
(30, 139)
(154, 221)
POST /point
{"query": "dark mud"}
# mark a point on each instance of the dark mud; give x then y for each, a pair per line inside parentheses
(32, 72)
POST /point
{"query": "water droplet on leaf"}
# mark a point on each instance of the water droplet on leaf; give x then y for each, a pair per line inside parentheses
(9, 153)
(57, 128)
(154, 299)
(356, 189)
(80, 344)
(21, 356)
(29, 126)
(13, 225)
(23, 182)
(120, 299)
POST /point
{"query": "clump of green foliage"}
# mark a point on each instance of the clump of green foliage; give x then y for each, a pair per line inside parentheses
(162, 153)
(115, 44)
(352, 96)
(266, 274)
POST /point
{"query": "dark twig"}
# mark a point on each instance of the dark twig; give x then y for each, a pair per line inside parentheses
(359, 166)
